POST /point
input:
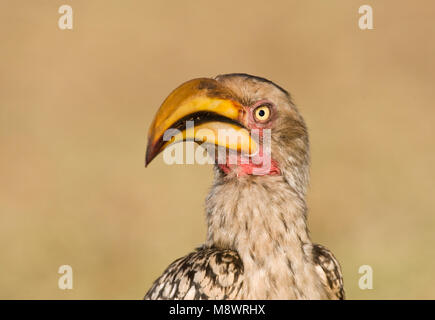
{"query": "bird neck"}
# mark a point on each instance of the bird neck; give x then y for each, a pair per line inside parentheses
(264, 220)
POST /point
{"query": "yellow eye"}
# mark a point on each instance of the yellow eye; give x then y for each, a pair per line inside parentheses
(262, 113)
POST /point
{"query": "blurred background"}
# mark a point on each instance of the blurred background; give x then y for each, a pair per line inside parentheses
(75, 106)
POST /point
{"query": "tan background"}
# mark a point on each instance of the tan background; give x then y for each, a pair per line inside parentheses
(75, 107)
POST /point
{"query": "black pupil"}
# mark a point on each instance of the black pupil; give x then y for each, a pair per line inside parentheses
(261, 113)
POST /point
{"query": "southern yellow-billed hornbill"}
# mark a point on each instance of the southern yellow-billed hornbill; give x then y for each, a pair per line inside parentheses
(258, 244)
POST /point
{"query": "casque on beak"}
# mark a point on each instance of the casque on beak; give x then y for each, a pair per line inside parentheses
(210, 105)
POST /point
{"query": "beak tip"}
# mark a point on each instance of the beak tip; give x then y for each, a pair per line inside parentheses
(150, 154)
(147, 159)
(147, 162)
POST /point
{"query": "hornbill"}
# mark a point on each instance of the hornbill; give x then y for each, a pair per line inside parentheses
(258, 244)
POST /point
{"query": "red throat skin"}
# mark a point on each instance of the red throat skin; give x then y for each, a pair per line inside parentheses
(257, 164)
(249, 167)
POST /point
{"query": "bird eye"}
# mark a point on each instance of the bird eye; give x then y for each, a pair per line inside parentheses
(262, 113)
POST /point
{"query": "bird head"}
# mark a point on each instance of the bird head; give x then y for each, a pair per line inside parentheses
(264, 134)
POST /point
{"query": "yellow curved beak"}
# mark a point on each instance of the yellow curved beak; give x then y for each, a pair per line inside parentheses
(206, 104)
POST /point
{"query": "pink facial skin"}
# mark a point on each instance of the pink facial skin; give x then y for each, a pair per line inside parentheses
(255, 164)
